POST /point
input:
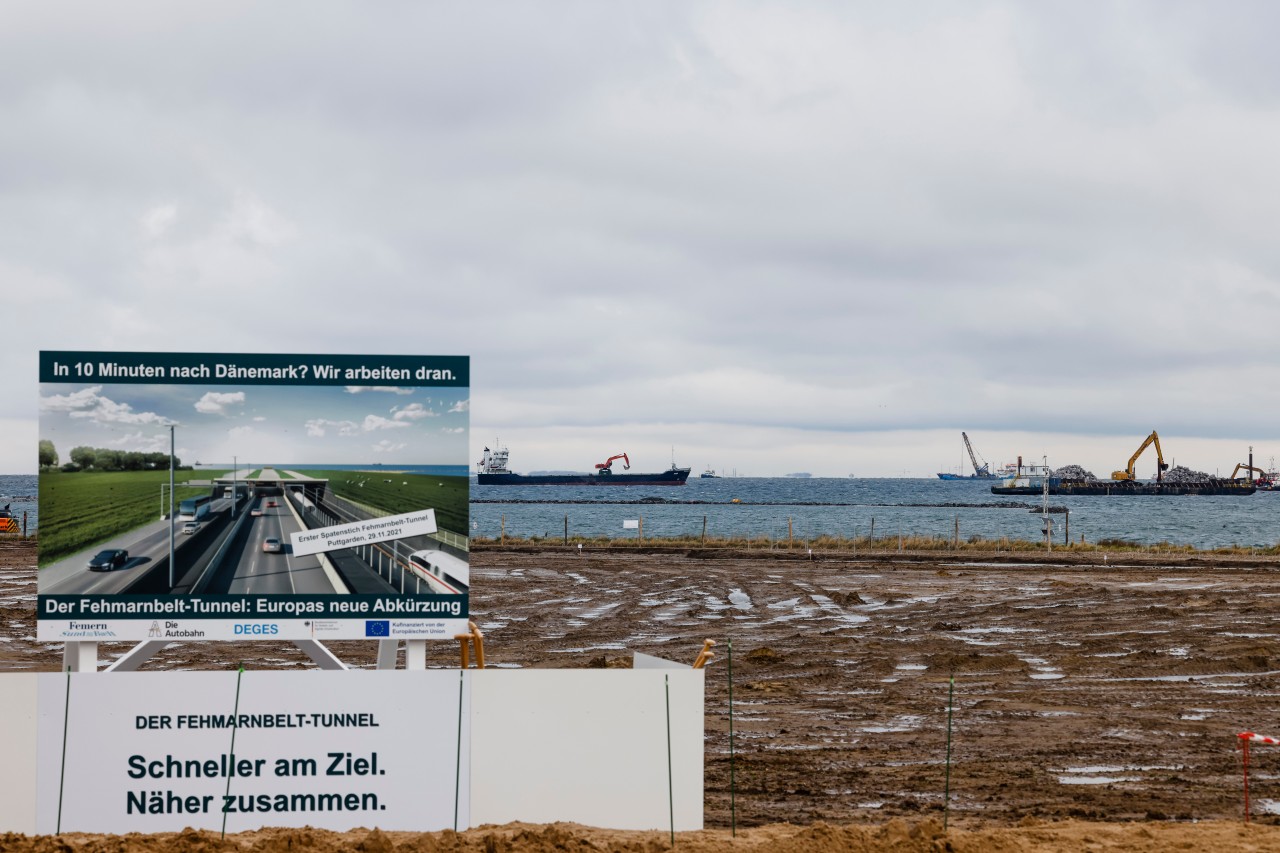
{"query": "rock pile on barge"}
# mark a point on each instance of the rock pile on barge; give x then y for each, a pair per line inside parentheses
(1074, 472)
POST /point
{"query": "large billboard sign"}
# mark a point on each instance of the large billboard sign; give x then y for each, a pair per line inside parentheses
(214, 496)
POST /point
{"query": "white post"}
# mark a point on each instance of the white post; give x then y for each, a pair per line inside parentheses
(1048, 528)
(415, 654)
(172, 519)
(80, 657)
(387, 650)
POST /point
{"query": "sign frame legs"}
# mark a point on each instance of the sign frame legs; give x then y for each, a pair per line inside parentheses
(82, 656)
(415, 654)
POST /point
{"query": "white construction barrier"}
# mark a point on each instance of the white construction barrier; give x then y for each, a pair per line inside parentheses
(400, 750)
(18, 722)
(587, 746)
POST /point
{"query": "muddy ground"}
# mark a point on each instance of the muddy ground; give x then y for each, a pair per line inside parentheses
(1102, 692)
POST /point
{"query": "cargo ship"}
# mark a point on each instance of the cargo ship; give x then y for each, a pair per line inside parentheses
(492, 470)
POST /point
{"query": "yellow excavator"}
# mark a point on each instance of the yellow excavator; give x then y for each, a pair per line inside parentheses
(1161, 465)
(1263, 480)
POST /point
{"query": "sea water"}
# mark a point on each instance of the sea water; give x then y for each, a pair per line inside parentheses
(774, 508)
(779, 508)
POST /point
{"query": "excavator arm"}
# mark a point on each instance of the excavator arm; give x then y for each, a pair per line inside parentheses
(1161, 465)
(607, 465)
(1262, 475)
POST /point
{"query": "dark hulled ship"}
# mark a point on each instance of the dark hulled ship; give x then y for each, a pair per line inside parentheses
(492, 470)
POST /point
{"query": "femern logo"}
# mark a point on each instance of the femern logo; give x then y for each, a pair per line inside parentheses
(377, 628)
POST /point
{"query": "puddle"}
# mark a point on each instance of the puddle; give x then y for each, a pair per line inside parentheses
(906, 723)
(597, 612)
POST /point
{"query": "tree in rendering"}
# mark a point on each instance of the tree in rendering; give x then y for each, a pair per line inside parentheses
(48, 454)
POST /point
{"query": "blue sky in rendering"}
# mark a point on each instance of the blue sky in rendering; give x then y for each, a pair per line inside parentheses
(262, 424)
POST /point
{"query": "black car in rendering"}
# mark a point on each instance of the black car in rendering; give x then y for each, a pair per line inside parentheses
(105, 561)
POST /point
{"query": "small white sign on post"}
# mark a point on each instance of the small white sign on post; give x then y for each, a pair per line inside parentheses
(631, 524)
(363, 532)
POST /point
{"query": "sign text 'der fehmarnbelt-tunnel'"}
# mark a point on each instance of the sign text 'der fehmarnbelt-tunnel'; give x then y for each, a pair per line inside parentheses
(363, 532)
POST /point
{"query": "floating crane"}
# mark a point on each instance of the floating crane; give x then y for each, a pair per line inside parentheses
(983, 470)
(606, 467)
(1161, 465)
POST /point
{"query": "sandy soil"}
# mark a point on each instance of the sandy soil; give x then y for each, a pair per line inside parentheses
(899, 836)
(1095, 706)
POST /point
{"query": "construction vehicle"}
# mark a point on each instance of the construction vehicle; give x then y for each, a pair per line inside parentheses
(1161, 465)
(606, 467)
(1263, 479)
(8, 523)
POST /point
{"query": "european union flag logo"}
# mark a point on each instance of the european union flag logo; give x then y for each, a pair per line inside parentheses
(377, 628)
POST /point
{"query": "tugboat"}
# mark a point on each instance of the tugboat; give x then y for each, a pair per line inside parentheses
(1027, 480)
(709, 474)
(492, 470)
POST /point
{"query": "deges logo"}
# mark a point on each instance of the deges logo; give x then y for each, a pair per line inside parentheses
(377, 628)
(258, 628)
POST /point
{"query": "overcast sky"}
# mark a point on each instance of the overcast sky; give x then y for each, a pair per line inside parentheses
(767, 237)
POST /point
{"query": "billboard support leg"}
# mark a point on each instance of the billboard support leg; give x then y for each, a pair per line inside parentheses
(415, 654)
(137, 656)
(323, 658)
(80, 657)
(387, 650)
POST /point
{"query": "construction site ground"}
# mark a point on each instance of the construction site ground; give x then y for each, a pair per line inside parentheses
(1095, 704)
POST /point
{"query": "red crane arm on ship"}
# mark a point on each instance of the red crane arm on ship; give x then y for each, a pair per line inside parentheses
(608, 463)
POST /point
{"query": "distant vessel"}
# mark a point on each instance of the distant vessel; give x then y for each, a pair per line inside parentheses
(981, 470)
(1009, 469)
(1027, 480)
(492, 470)
(709, 474)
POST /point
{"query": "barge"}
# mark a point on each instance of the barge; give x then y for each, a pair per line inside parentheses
(1040, 479)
